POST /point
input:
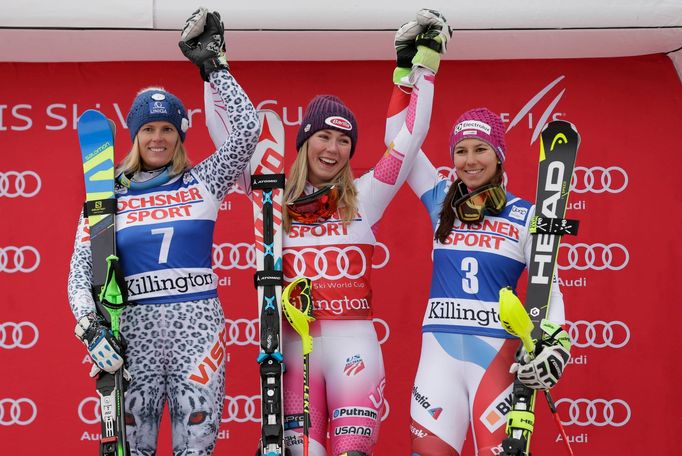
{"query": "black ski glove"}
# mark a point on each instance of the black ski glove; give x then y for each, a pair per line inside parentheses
(207, 50)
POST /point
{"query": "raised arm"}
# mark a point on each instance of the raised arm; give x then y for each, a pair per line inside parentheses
(203, 44)
(392, 170)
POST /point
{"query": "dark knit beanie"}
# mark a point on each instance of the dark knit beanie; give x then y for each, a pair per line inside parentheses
(154, 105)
(327, 112)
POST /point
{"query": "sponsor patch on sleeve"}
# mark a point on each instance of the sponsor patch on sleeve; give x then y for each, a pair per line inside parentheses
(519, 213)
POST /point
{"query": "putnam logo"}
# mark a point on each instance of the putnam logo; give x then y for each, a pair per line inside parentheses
(338, 122)
(354, 365)
(354, 412)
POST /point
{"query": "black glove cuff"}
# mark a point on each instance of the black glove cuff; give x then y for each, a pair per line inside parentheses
(404, 57)
(429, 43)
(208, 66)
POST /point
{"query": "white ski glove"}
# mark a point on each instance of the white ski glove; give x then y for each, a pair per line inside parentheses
(194, 25)
(104, 349)
(432, 43)
(544, 370)
(405, 49)
(204, 43)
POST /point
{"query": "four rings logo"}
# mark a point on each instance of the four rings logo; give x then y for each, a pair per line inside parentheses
(17, 412)
(88, 410)
(594, 412)
(593, 256)
(19, 259)
(379, 323)
(228, 256)
(242, 331)
(598, 334)
(14, 184)
(331, 262)
(598, 179)
(242, 409)
(18, 335)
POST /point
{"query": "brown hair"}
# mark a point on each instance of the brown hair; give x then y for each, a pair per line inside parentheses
(447, 214)
(298, 176)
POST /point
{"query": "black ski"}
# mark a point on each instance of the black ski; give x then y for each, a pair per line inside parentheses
(558, 150)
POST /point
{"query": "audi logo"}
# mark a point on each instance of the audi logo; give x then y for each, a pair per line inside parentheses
(19, 259)
(242, 409)
(598, 179)
(19, 412)
(598, 334)
(14, 184)
(595, 412)
(228, 256)
(593, 256)
(88, 410)
(242, 332)
(330, 263)
(378, 322)
(18, 335)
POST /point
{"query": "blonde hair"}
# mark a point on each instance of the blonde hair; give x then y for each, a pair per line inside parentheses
(132, 163)
(298, 176)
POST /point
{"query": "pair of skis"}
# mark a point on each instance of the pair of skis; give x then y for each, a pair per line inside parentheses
(96, 138)
(267, 189)
(558, 150)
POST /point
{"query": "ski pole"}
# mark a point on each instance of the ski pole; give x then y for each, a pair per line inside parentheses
(516, 322)
(300, 319)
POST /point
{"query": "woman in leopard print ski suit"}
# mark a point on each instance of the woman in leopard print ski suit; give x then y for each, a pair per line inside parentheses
(166, 214)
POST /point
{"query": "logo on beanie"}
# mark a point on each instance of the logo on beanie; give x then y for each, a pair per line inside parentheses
(473, 125)
(158, 107)
(338, 122)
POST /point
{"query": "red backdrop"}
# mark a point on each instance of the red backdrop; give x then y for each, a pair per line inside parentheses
(619, 274)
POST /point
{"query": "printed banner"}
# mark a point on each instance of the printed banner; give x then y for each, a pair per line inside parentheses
(618, 276)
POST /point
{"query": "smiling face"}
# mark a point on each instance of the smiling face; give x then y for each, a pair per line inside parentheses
(328, 153)
(157, 142)
(475, 162)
